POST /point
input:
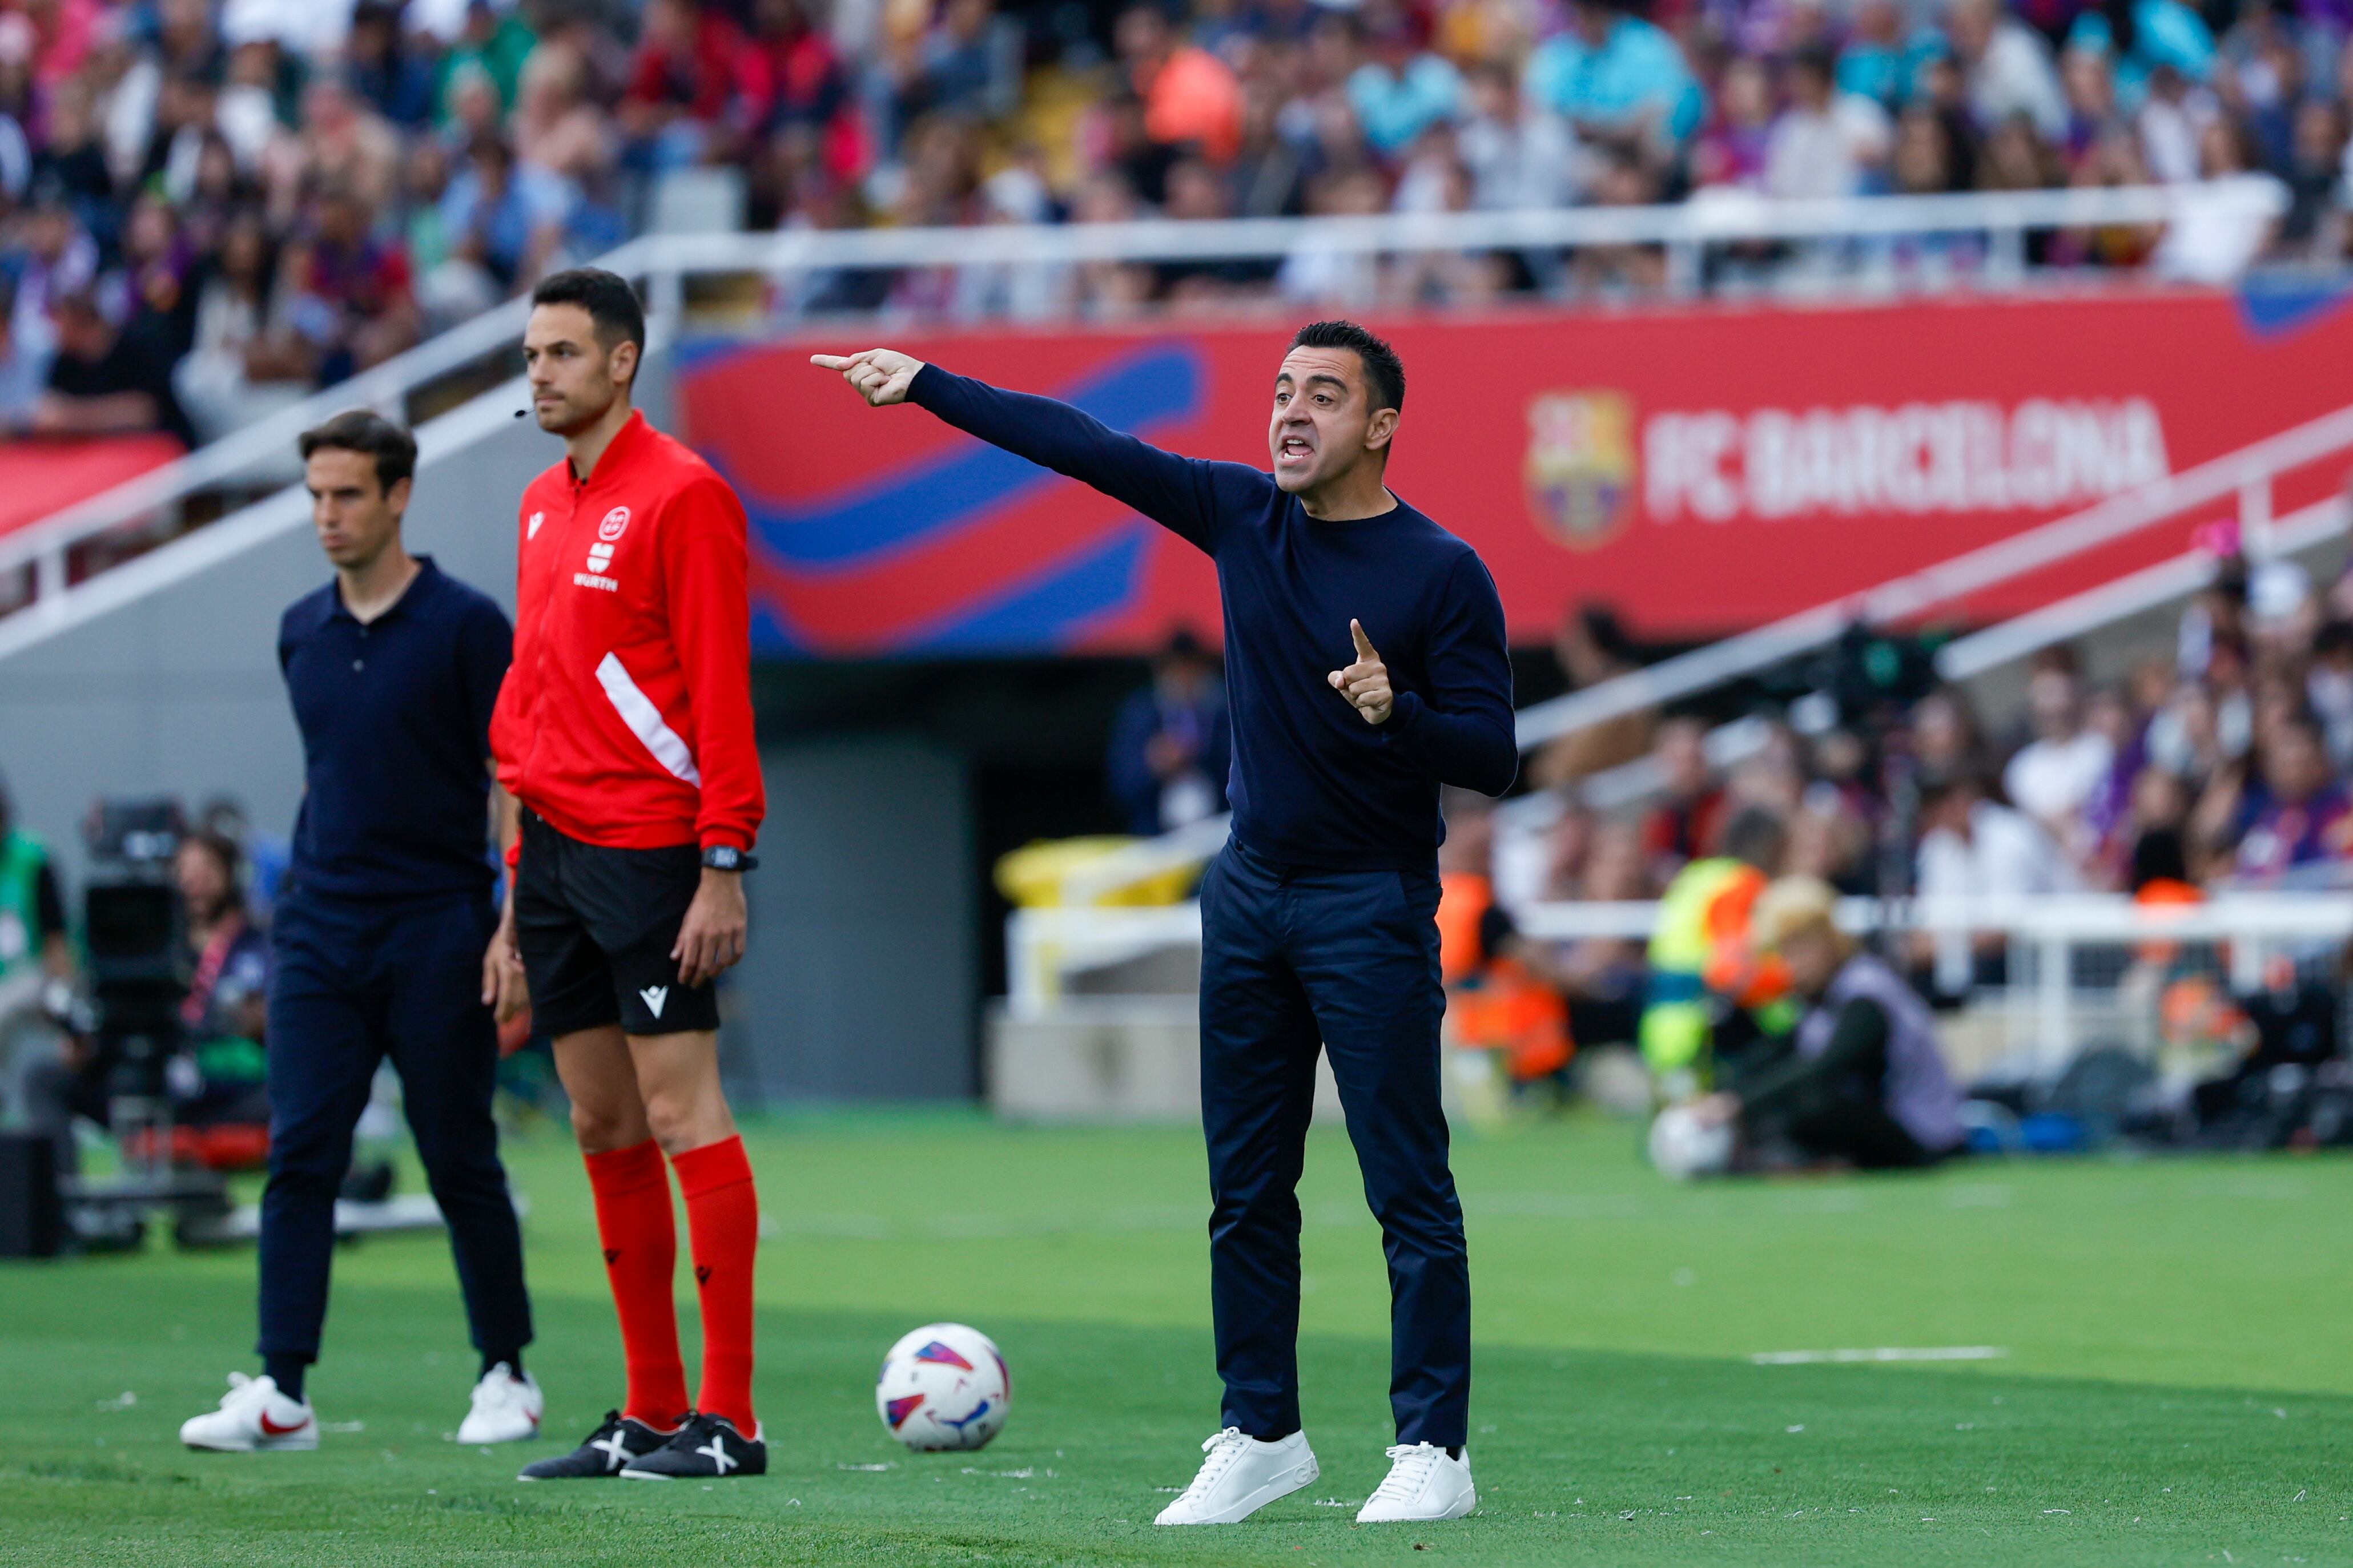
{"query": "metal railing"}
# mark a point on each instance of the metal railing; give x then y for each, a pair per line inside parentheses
(47, 545)
(2082, 969)
(664, 263)
(2134, 595)
(1684, 229)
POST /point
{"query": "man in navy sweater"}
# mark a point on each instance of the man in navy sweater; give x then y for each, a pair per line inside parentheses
(1366, 666)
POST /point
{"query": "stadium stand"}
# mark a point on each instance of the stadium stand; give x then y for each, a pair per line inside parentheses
(295, 209)
(271, 197)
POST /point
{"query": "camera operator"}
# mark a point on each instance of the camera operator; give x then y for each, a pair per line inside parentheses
(33, 940)
(226, 1009)
(219, 1078)
(34, 953)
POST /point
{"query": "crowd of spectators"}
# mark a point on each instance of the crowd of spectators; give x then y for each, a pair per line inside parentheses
(208, 207)
(207, 210)
(2222, 764)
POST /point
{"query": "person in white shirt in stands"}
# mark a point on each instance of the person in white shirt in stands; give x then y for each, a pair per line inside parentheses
(2054, 776)
(1973, 847)
(2006, 66)
(1520, 154)
(1826, 143)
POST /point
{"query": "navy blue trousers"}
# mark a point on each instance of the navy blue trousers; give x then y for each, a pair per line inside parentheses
(355, 984)
(1291, 959)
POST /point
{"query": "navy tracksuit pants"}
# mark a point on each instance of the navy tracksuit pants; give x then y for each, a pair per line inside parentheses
(1291, 959)
(355, 984)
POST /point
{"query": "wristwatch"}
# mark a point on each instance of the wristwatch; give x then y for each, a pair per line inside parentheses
(727, 857)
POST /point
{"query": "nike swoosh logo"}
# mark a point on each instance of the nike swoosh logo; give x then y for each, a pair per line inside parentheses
(271, 1428)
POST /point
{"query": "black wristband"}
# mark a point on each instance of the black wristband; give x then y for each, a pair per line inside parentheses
(726, 857)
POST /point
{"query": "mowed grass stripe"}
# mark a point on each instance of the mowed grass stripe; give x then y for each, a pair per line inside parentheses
(1581, 1456)
(2228, 1272)
(1627, 1425)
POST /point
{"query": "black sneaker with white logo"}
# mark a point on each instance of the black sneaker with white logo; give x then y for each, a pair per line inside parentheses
(609, 1450)
(707, 1448)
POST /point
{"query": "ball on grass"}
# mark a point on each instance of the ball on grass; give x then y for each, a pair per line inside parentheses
(944, 1387)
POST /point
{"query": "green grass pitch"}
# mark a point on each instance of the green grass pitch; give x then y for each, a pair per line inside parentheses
(2176, 1386)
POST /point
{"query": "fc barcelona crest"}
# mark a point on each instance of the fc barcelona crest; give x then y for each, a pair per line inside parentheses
(1580, 466)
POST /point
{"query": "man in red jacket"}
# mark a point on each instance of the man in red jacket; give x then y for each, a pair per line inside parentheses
(624, 730)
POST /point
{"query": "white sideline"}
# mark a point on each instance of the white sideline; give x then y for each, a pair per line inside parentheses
(1883, 1352)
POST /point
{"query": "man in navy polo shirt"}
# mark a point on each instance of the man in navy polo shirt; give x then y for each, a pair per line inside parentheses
(381, 932)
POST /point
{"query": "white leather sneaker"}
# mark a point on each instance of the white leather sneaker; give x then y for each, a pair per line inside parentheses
(1422, 1484)
(1241, 1476)
(506, 1408)
(253, 1417)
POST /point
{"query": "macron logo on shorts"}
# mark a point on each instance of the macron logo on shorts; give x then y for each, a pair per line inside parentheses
(655, 997)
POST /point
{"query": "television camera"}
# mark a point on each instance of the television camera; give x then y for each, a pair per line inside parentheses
(135, 941)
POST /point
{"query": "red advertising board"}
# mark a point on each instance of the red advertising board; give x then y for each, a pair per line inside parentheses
(1702, 469)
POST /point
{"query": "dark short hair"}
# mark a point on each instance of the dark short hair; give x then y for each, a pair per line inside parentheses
(612, 305)
(2307, 722)
(1185, 643)
(1818, 57)
(1963, 785)
(492, 146)
(227, 856)
(365, 431)
(1384, 372)
(1607, 631)
(1754, 835)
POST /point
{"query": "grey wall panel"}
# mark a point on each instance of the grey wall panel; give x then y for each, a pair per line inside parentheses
(859, 979)
(862, 977)
(178, 691)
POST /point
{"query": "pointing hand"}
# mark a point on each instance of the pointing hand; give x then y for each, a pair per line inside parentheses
(881, 376)
(1365, 683)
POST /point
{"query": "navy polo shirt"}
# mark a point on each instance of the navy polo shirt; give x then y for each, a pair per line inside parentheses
(396, 720)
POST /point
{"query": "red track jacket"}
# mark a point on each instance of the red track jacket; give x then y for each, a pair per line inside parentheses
(625, 718)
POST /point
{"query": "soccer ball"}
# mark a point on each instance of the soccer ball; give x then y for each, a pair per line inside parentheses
(944, 1387)
(1682, 1146)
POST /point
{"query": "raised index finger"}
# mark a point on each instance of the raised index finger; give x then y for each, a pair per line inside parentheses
(840, 361)
(1363, 643)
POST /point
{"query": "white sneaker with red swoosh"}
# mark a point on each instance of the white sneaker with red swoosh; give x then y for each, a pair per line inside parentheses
(253, 1417)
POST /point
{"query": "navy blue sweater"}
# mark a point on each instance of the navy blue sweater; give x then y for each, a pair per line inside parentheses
(1313, 784)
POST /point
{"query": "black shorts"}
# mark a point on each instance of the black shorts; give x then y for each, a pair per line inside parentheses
(597, 926)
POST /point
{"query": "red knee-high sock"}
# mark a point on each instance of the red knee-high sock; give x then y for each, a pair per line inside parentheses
(640, 1239)
(722, 1220)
